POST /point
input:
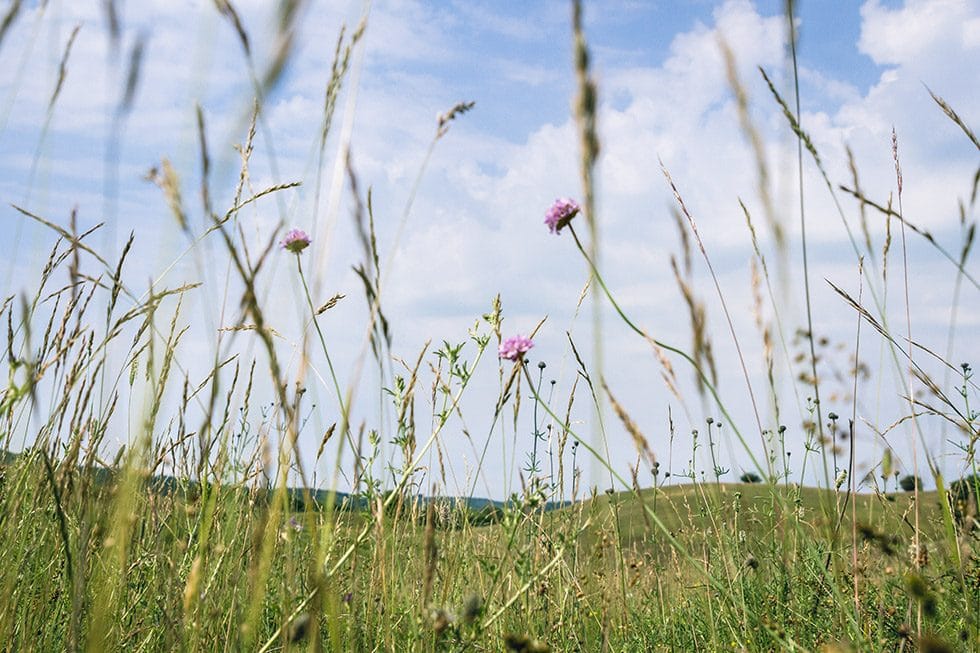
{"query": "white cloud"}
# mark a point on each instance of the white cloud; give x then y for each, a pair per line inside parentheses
(476, 227)
(920, 34)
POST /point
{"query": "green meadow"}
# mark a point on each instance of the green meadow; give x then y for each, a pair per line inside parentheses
(216, 526)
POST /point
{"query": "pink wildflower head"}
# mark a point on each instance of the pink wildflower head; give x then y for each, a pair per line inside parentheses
(514, 348)
(561, 213)
(296, 241)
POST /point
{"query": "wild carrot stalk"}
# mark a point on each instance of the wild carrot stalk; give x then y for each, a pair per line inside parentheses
(534, 468)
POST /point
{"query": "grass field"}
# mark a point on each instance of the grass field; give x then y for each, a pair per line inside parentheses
(215, 533)
(729, 567)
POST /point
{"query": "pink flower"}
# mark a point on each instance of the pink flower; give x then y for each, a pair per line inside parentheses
(296, 241)
(561, 213)
(514, 348)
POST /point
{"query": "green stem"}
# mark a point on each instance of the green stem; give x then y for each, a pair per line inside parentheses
(687, 357)
(323, 344)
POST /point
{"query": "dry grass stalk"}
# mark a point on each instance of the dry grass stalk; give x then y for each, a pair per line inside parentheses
(701, 343)
(165, 177)
(330, 303)
(639, 440)
(756, 142)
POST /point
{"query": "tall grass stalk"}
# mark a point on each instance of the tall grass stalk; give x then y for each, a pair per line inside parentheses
(154, 499)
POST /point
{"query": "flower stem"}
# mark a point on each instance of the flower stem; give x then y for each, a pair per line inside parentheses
(697, 368)
(323, 342)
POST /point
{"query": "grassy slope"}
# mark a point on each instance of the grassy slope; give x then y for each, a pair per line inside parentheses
(634, 589)
(697, 509)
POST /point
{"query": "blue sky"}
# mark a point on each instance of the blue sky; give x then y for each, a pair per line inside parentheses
(475, 229)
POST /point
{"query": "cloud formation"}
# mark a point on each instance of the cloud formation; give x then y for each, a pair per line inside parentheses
(476, 225)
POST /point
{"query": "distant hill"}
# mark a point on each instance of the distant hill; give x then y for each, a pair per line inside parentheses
(682, 509)
(483, 510)
(702, 511)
